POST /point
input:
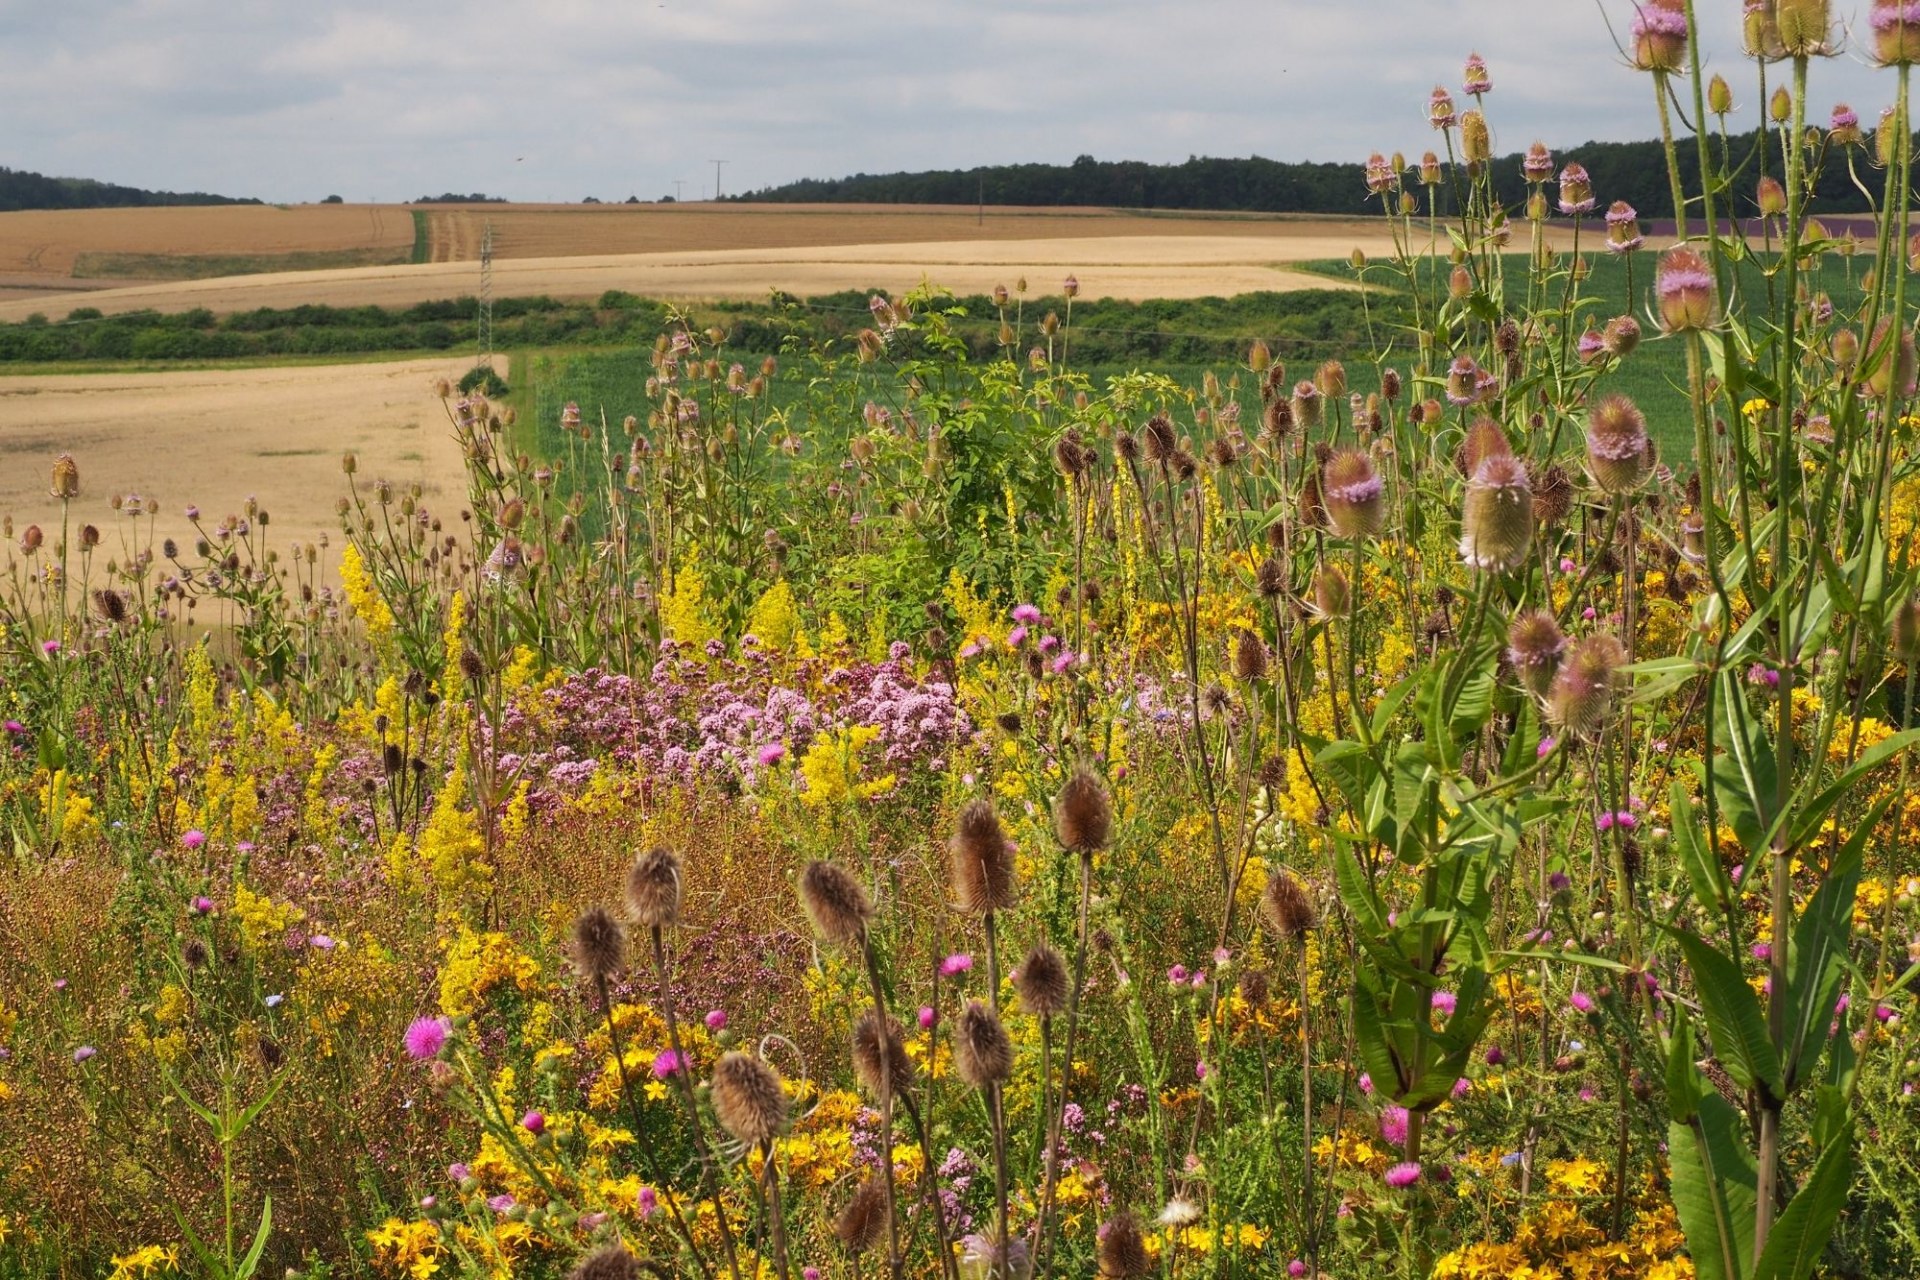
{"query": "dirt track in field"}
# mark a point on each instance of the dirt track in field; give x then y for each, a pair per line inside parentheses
(217, 437)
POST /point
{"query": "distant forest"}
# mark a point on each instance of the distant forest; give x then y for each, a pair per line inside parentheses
(1632, 171)
(22, 190)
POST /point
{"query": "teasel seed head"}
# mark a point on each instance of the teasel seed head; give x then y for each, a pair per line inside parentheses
(653, 889)
(982, 1053)
(1619, 451)
(1906, 630)
(1255, 987)
(1891, 364)
(66, 477)
(1306, 404)
(1332, 596)
(1582, 693)
(1249, 656)
(599, 945)
(1621, 336)
(110, 605)
(1276, 421)
(980, 861)
(1289, 911)
(1083, 813)
(1896, 33)
(1122, 1249)
(1126, 446)
(1485, 439)
(835, 902)
(1476, 144)
(1161, 442)
(1043, 982)
(747, 1098)
(1313, 503)
(1683, 287)
(1535, 646)
(1354, 494)
(1660, 36)
(608, 1262)
(869, 1051)
(1552, 494)
(863, 1219)
(1271, 578)
(1496, 523)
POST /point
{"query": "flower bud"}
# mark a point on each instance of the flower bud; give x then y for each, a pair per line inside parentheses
(1354, 495)
(1496, 523)
(1474, 80)
(1576, 191)
(1770, 196)
(1476, 144)
(1843, 130)
(1621, 336)
(1619, 452)
(1780, 106)
(1719, 96)
(1440, 113)
(1890, 364)
(1332, 597)
(1886, 140)
(1623, 228)
(1660, 36)
(66, 477)
(1537, 166)
(1905, 636)
(1535, 646)
(1582, 693)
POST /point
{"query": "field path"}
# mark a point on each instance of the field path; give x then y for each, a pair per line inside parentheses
(217, 437)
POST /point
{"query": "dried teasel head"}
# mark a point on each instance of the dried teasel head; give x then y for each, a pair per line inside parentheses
(1161, 442)
(1122, 1248)
(1043, 982)
(599, 945)
(835, 902)
(747, 1098)
(880, 1054)
(1083, 813)
(609, 1262)
(1535, 646)
(1249, 656)
(1289, 911)
(982, 1052)
(653, 889)
(980, 861)
(863, 1219)
(1270, 579)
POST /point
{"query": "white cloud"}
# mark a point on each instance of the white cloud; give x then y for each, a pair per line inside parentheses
(292, 101)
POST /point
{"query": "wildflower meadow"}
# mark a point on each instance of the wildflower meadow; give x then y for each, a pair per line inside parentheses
(880, 811)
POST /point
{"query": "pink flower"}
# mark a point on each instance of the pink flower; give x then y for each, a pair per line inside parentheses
(1545, 748)
(1016, 637)
(534, 1123)
(1444, 1003)
(1296, 1268)
(458, 1172)
(1026, 614)
(203, 906)
(1199, 1071)
(716, 1019)
(84, 1052)
(1461, 1087)
(665, 1063)
(771, 754)
(1366, 1083)
(1393, 1125)
(1404, 1174)
(426, 1037)
(928, 1016)
(1177, 976)
(49, 647)
(193, 839)
(648, 1201)
(1581, 1001)
(955, 964)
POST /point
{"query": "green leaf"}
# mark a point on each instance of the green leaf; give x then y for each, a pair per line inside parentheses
(247, 1264)
(1814, 968)
(1356, 892)
(1800, 1236)
(1744, 775)
(1684, 1086)
(1704, 872)
(1658, 677)
(1378, 1052)
(1714, 1177)
(1734, 1019)
(1814, 812)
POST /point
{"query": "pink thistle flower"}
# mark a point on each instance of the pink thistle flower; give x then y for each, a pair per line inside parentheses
(426, 1037)
(716, 1019)
(1393, 1125)
(1403, 1175)
(665, 1063)
(534, 1123)
(84, 1052)
(1026, 614)
(193, 839)
(1296, 1268)
(928, 1016)
(648, 1202)
(1177, 975)
(1016, 637)
(1444, 1003)
(203, 906)
(771, 754)
(956, 964)
(1581, 1001)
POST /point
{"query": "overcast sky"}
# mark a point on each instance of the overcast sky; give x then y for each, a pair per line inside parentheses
(292, 100)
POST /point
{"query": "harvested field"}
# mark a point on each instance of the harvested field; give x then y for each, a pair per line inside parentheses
(218, 437)
(41, 249)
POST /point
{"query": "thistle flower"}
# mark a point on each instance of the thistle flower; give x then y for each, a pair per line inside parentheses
(880, 1053)
(982, 1053)
(426, 1037)
(1122, 1249)
(1440, 113)
(1289, 911)
(1619, 452)
(1403, 1175)
(1249, 656)
(598, 944)
(863, 1218)
(1582, 692)
(747, 1098)
(835, 902)
(1537, 165)
(1354, 495)
(1042, 982)
(1843, 129)
(1683, 285)
(1332, 597)
(1576, 191)
(1896, 32)
(609, 1262)
(1535, 646)
(1496, 523)
(653, 889)
(1475, 80)
(980, 861)
(66, 477)
(1083, 813)
(1660, 36)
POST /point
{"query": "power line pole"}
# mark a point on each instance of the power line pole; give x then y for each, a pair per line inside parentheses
(679, 189)
(716, 178)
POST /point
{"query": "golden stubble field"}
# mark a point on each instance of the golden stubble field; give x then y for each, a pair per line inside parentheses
(216, 437)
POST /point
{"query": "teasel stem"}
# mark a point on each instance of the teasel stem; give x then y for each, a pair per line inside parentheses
(1306, 1096)
(886, 1106)
(776, 1215)
(997, 1102)
(633, 1114)
(684, 1074)
(993, 963)
(1049, 1180)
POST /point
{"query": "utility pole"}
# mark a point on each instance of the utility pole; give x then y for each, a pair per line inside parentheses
(679, 187)
(716, 178)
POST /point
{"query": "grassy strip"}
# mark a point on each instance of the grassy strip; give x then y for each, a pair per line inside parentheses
(422, 238)
(206, 266)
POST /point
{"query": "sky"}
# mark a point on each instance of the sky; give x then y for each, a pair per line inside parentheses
(557, 100)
